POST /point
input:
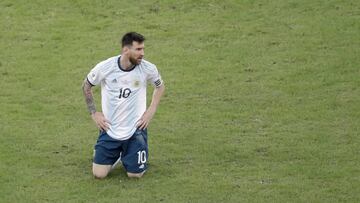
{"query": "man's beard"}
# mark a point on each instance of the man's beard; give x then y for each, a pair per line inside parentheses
(134, 61)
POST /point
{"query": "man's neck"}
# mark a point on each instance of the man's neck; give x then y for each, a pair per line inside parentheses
(125, 63)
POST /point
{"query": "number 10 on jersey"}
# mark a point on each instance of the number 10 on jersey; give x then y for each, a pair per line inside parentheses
(124, 93)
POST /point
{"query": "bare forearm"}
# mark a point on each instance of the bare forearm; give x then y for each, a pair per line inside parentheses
(89, 99)
(158, 92)
(149, 113)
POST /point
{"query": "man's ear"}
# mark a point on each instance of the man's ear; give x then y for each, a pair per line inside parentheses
(125, 50)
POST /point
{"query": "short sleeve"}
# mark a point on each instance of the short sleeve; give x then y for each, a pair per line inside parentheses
(154, 76)
(96, 75)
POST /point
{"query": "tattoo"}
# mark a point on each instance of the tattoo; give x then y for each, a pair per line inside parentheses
(89, 99)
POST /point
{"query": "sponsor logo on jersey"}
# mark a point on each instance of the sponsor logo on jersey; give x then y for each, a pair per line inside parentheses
(126, 82)
(137, 83)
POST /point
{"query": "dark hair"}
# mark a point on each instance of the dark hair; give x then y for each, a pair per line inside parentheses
(129, 37)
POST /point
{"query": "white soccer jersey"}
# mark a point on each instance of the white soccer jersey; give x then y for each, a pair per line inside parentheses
(123, 93)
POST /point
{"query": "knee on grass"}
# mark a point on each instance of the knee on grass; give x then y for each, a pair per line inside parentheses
(100, 171)
(135, 175)
(100, 174)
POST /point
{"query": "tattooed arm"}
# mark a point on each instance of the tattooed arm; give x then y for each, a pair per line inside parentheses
(89, 99)
(98, 117)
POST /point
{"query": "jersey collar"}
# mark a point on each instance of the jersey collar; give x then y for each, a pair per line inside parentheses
(127, 70)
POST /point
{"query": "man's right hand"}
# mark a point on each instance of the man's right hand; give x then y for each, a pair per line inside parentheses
(100, 120)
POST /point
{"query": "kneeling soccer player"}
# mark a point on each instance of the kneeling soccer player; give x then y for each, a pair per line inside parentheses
(124, 118)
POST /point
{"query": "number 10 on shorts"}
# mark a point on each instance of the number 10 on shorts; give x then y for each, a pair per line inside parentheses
(141, 157)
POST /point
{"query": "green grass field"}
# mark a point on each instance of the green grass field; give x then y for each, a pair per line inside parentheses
(262, 100)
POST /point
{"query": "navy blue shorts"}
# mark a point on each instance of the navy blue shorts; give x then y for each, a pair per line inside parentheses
(133, 151)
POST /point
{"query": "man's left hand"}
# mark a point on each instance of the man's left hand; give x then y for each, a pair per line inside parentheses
(145, 119)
